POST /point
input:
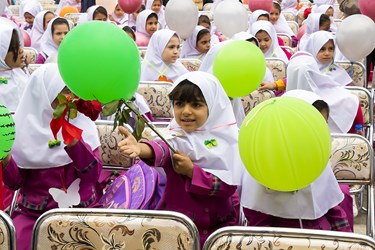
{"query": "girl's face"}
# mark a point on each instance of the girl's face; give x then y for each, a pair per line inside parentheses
(29, 18)
(326, 53)
(325, 26)
(171, 52)
(118, 11)
(274, 15)
(131, 35)
(60, 31)
(206, 25)
(329, 12)
(325, 114)
(190, 115)
(9, 59)
(156, 5)
(203, 44)
(262, 18)
(47, 18)
(265, 41)
(100, 17)
(151, 25)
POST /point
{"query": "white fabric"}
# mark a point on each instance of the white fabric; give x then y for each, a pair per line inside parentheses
(323, 9)
(303, 73)
(312, 25)
(189, 46)
(304, 95)
(37, 30)
(314, 44)
(254, 17)
(222, 160)
(290, 6)
(3, 5)
(161, 14)
(90, 12)
(274, 51)
(142, 20)
(282, 26)
(47, 44)
(321, 2)
(157, 44)
(32, 7)
(64, 3)
(120, 20)
(33, 117)
(244, 36)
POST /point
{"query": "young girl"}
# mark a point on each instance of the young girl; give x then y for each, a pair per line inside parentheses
(118, 16)
(197, 45)
(40, 25)
(322, 46)
(157, 7)
(203, 172)
(56, 31)
(130, 32)
(132, 22)
(97, 13)
(345, 112)
(279, 22)
(314, 23)
(329, 11)
(317, 205)
(40, 171)
(13, 79)
(30, 10)
(147, 24)
(204, 21)
(160, 62)
(258, 15)
(266, 35)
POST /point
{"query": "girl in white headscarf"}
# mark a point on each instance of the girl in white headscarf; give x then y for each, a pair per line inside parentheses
(267, 38)
(29, 12)
(97, 13)
(56, 30)
(329, 11)
(257, 16)
(314, 23)
(203, 172)
(40, 25)
(345, 112)
(118, 16)
(160, 62)
(321, 45)
(13, 79)
(147, 24)
(49, 176)
(157, 7)
(198, 44)
(281, 25)
(318, 205)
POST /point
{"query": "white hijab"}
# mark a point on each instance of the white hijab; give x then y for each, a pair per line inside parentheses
(90, 12)
(312, 25)
(33, 117)
(282, 26)
(290, 6)
(32, 7)
(303, 73)
(189, 46)
(310, 203)
(153, 65)
(47, 44)
(254, 17)
(142, 20)
(313, 46)
(222, 160)
(274, 51)
(323, 9)
(120, 20)
(38, 30)
(161, 14)
(10, 93)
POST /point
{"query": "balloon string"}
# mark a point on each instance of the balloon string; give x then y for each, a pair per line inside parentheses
(247, 122)
(160, 72)
(151, 126)
(298, 209)
(351, 69)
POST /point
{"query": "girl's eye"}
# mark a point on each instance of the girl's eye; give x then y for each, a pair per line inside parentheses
(178, 103)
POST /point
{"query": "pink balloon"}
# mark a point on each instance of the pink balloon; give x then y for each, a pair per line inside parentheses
(260, 5)
(367, 8)
(301, 32)
(130, 6)
(141, 39)
(26, 38)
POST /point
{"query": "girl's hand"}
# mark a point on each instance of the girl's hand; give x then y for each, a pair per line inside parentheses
(182, 164)
(129, 146)
(267, 85)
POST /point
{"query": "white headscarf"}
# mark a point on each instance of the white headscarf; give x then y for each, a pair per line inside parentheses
(3, 5)
(282, 26)
(120, 20)
(47, 44)
(274, 51)
(33, 117)
(289, 5)
(312, 25)
(310, 203)
(32, 7)
(90, 12)
(323, 9)
(303, 73)
(161, 14)
(142, 21)
(10, 93)
(189, 46)
(153, 65)
(254, 17)
(313, 46)
(222, 160)
(38, 30)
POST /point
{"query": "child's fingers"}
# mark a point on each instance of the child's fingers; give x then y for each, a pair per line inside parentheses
(124, 131)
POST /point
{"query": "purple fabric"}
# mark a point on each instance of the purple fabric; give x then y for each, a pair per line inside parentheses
(41, 59)
(194, 197)
(35, 183)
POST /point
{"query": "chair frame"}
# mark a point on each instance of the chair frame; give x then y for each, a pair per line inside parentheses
(11, 230)
(365, 84)
(287, 232)
(186, 221)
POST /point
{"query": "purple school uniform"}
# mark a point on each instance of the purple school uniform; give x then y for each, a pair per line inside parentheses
(35, 183)
(41, 59)
(204, 198)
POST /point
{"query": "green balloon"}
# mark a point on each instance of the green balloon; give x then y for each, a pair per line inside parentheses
(284, 143)
(240, 67)
(99, 61)
(7, 132)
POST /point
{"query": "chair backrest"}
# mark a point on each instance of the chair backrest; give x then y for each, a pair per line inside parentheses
(7, 232)
(286, 38)
(289, 49)
(31, 54)
(191, 64)
(110, 155)
(156, 95)
(50, 7)
(337, 22)
(352, 161)
(256, 97)
(15, 9)
(142, 51)
(277, 67)
(289, 16)
(285, 238)
(74, 17)
(357, 72)
(32, 67)
(293, 26)
(114, 229)
(207, 7)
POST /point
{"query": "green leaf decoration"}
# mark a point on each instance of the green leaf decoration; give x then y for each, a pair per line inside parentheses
(62, 98)
(110, 108)
(73, 113)
(59, 111)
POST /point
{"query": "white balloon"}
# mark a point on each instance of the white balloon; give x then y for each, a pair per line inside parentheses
(230, 17)
(356, 37)
(182, 17)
